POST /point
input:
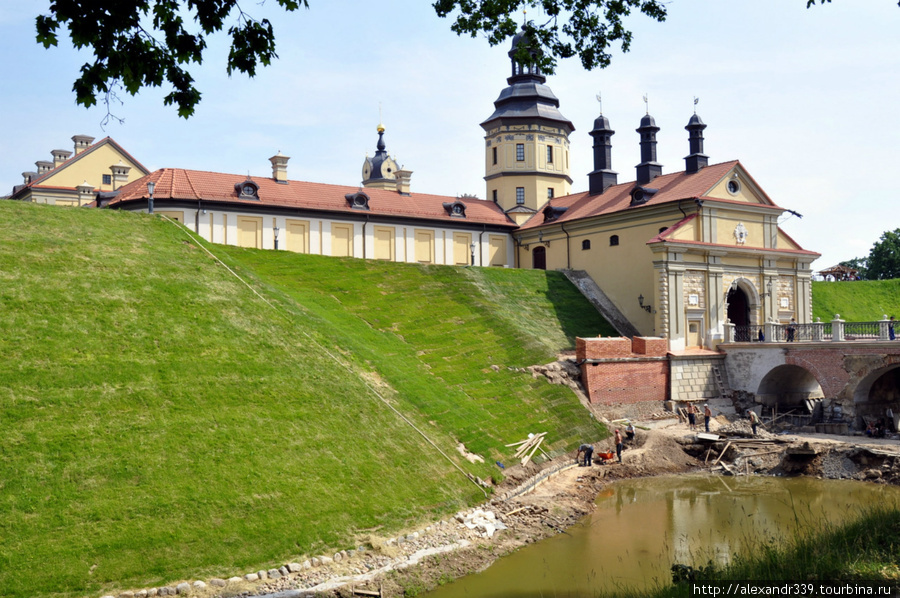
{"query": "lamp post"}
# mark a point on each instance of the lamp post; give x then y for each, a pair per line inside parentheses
(275, 230)
(472, 247)
(150, 187)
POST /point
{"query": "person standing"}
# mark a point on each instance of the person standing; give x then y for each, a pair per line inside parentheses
(588, 451)
(692, 415)
(754, 420)
(891, 333)
(791, 330)
(707, 414)
(619, 445)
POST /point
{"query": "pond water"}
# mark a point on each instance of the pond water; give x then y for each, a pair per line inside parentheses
(641, 527)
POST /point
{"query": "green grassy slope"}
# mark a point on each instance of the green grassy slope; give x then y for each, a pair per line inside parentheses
(857, 301)
(160, 421)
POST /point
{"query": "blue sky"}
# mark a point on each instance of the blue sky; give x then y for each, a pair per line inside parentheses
(806, 99)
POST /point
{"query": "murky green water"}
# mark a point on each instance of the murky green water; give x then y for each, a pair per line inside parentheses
(641, 527)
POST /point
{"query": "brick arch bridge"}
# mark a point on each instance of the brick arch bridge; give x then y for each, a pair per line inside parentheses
(862, 377)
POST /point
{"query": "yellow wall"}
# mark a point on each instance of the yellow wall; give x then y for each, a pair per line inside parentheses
(728, 221)
(249, 232)
(462, 251)
(341, 240)
(497, 250)
(176, 216)
(90, 167)
(424, 252)
(297, 236)
(533, 169)
(384, 242)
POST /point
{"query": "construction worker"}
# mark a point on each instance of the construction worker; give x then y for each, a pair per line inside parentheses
(588, 451)
(619, 445)
(707, 414)
(692, 415)
(754, 420)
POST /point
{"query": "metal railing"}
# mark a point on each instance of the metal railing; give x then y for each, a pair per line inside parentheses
(836, 330)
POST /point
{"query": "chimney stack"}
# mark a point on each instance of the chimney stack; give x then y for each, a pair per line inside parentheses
(119, 174)
(85, 193)
(60, 156)
(602, 177)
(43, 166)
(82, 142)
(279, 167)
(403, 178)
(697, 159)
(649, 168)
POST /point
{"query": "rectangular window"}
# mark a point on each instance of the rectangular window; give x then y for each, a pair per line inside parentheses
(549, 154)
(520, 152)
(550, 192)
(494, 195)
(495, 155)
(520, 195)
(107, 179)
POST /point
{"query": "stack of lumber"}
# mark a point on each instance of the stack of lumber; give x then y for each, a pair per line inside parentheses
(529, 446)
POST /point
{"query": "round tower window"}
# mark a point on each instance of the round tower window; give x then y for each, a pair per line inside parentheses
(734, 187)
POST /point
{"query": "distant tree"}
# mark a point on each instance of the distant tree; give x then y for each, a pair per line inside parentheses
(140, 43)
(884, 258)
(585, 28)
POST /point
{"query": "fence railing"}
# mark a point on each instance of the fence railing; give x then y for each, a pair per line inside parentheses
(836, 330)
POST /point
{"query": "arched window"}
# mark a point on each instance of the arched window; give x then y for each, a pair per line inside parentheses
(586, 244)
(614, 240)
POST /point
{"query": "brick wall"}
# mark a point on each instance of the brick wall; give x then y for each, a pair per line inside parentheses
(628, 372)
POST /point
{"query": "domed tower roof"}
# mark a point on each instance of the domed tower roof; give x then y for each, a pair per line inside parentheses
(526, 97)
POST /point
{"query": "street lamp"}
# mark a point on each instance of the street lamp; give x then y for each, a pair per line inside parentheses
(150, 187)
(275, 230)
(472, 246)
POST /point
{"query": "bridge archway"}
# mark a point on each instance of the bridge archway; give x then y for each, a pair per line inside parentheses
(876, 394)
(787, 387)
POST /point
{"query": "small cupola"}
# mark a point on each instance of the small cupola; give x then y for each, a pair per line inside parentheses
(649, 168)
(602, 177)
(44, 166)
(60, 156)
(455, 209)
(380, 171)
(697, 159)
(247, 189)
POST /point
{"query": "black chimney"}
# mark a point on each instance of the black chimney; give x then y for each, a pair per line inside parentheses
(649, 168)
(697, 159)
(603, 177)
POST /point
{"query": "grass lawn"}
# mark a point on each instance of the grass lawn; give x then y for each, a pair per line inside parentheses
(856, 301)
(160, 421)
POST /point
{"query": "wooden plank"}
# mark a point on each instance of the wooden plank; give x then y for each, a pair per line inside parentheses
(534, 450)
(722, 454)
(707, 436)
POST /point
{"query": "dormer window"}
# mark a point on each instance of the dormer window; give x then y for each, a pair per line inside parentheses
(641, 195)
(552, 213)
(358, 200)
(247, 190)
(457, 209)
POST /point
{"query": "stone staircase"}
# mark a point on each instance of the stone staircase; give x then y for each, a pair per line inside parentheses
(601, 302)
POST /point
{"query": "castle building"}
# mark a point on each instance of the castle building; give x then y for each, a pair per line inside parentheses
(381, 219)
(75, 178)
(677, 255)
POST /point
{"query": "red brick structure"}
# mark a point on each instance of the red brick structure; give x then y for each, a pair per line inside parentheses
(622, 371)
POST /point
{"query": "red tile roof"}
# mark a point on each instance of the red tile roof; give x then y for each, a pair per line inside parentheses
(194, 185)
(671, 187)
